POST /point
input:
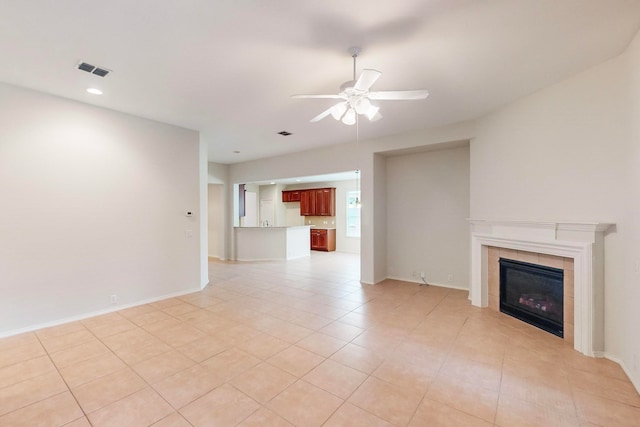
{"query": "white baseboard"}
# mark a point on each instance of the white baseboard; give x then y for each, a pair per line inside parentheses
(83, 316)
(635, 381)
(440, 285)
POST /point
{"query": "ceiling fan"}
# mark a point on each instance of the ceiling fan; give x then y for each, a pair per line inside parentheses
(356, 98)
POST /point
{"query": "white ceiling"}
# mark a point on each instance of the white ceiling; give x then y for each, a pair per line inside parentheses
(227, 67)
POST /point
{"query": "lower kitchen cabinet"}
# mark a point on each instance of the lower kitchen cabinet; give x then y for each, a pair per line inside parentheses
(323, 239)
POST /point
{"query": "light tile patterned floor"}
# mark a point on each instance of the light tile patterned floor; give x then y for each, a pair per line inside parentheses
(304, 343)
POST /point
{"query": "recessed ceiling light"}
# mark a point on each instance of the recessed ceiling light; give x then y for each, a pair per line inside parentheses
(236, 151)
(284, 133)
(272, 183)
(298, 180)
(94, 91)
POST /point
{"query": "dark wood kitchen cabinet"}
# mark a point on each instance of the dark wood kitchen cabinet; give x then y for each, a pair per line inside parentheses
(323, 239)
(291, 195)
(307, 203)
(318, 202)
(325, 202)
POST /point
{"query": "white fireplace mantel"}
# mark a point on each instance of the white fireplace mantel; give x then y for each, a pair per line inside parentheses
(581, 241)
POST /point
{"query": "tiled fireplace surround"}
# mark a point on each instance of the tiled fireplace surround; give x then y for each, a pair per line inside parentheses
(577, 248)
(565, 264)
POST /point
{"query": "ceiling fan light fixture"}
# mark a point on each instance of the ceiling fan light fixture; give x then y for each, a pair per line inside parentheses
(363, 105)
(372, 111)
(338, 110)
(349, 117)
(376, 117)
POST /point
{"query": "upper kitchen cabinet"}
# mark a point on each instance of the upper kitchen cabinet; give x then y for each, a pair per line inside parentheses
(291, 196)
(325, 201)
(318, 202)
(307, 203)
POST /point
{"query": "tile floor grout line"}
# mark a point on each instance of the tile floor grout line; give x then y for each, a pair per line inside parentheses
(495, 415)
(127, 366)
(66, 384)
(424, 396)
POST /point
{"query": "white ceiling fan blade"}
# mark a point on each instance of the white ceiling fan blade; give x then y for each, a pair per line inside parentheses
(367, 79)
(319, 96)
(325, 113)
(338, 110)
(388, 95)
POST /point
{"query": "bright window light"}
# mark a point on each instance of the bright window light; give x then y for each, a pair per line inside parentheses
(353, 214)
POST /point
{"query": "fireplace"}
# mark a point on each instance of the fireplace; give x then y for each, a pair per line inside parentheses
(533, 293)
(580, 246)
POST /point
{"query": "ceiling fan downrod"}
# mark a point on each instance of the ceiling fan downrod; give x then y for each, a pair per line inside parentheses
(354, 51)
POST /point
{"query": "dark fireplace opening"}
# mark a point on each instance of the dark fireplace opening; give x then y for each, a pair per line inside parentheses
(533, 293)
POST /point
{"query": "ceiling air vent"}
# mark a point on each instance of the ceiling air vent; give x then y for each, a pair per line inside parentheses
(86, 67)
(98, 71)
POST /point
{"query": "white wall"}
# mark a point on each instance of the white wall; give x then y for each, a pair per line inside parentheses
(628, 347)
(268, 200)
(281, 209)
(570, 152)
(292, 214)
(93, 204)
(216, 220)
(203, 213)
(555, 154)
(219, 174)
(427, 209)
(376, 201)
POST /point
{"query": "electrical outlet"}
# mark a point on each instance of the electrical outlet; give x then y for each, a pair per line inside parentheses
(114, 299)
(450, 278)
(188, 233)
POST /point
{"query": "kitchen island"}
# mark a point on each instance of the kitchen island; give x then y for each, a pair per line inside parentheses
(271, 243)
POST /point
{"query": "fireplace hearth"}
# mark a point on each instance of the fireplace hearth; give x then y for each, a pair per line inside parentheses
(533, 293)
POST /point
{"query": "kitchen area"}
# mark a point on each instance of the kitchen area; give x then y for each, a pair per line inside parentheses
(318, 207)
(288, 220)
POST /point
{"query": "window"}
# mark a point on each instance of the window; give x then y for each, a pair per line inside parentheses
(353, 214)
